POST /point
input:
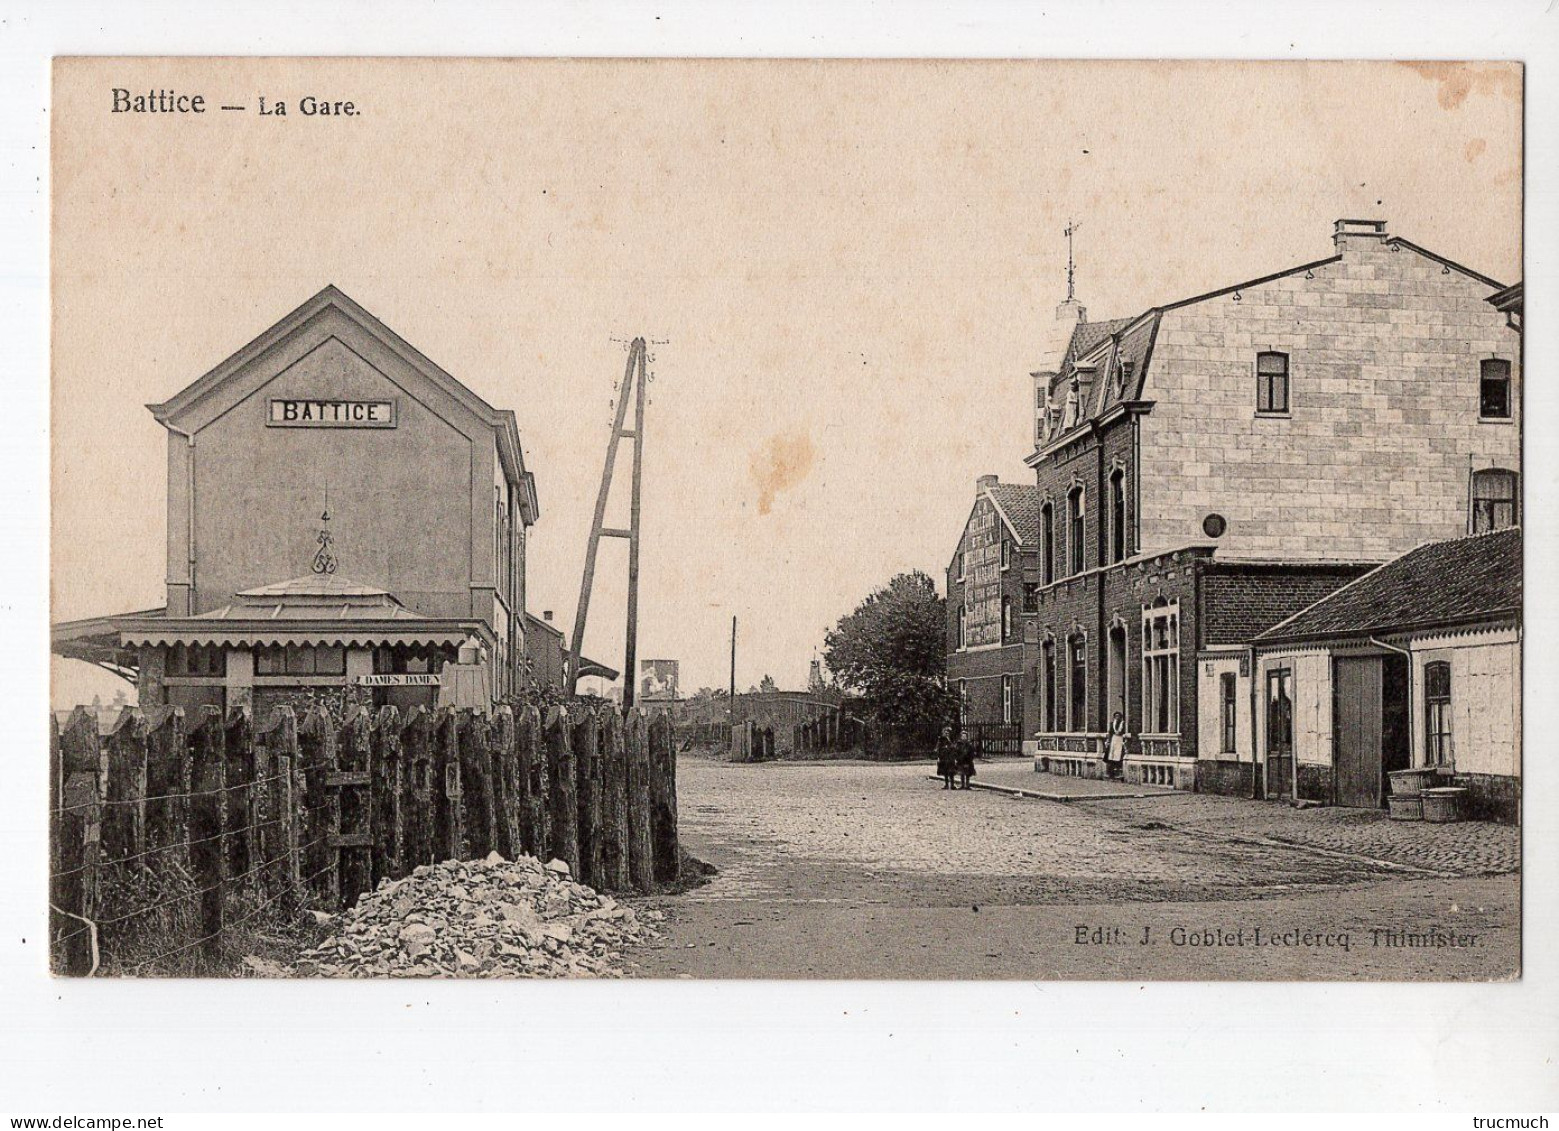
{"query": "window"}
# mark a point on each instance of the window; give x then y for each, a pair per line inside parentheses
(963, 626)
(1493, 499)
(301, 659)
(958, 565)
(1494, 389)
(1226, 711)
(1006, 619)
(1047, 544)
(1006, 553)
(1161, 669)
(1438, 750)
(1077, 715)
(1030, 597)
(1048, 684)
(963, 701)
(1075, 527)
(1272, 382)
(1118, 515)
(1006, 699)
(197, 659)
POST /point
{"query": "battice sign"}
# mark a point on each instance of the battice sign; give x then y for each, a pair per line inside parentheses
(398, 679)
(303, 413)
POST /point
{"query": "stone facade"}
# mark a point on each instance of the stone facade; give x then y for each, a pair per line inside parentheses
(1384, 346)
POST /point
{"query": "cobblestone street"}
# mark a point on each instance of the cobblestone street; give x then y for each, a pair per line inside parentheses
(870, 870)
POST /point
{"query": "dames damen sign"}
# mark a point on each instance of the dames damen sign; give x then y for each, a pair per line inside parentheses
(331, 414)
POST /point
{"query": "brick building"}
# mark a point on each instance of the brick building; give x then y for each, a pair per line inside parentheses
(991, 583)
(328, 448)
(1214, 465)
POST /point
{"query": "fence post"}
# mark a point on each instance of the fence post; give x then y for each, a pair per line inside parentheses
(208, 823)
(506, 783)
(388, 826)
(564, 804)
(587, 765)
(353, 838)
(614, 844)
(167, 778)
(535, 827)
(317, 748)
(641, 852)
(279, 840)
(241, 807)
(476, 777)
(417, 757)
(78, 841)
(449, 820)
(663, 800)
(124, 829)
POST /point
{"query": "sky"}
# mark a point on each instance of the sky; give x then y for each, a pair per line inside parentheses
(846, 268)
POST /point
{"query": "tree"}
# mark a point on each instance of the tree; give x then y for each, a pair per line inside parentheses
(892, 650)
(768, 684)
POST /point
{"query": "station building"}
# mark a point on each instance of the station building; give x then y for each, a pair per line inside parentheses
(342, 517)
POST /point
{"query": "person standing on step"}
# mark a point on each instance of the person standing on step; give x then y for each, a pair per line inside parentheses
(1115, 749)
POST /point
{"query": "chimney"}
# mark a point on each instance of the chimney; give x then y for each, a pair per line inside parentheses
(985, 481)
(546, 615)
(1358, 235)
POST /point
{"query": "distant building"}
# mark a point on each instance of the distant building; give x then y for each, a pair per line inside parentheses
(547, 651)
(991, 585)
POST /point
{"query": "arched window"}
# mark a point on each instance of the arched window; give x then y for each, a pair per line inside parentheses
(1494, 499)
(1438, 750)
(1047, 543)
(1075, 528)
(1118, 515)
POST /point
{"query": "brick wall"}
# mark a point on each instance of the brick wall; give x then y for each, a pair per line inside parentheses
(1373, 460)
(1240, 600)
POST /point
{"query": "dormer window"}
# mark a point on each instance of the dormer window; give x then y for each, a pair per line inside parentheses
(1272, 383)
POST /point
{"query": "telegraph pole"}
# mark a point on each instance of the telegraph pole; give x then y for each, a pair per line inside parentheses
(732, 704)
(635, 377)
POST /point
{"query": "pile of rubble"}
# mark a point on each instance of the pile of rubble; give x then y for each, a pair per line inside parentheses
(487, 918)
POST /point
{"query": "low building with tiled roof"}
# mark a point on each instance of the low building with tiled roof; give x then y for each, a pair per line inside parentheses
(1414, 665)
(1215, 464)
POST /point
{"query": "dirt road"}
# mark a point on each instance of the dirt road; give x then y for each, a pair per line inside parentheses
(872, 871)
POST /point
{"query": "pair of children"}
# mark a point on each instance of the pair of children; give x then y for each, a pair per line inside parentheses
(954, 758)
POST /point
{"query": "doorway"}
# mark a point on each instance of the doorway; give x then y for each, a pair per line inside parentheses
(1370, 729)
(1115, 671)
(1280, 734)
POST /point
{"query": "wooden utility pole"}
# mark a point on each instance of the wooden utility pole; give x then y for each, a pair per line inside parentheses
(634, 374)
(732, 705)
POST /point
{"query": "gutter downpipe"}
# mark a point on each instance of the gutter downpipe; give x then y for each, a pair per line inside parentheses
(189, 499)
(1408, 655)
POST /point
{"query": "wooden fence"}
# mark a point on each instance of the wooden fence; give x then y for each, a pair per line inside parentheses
(205, 823)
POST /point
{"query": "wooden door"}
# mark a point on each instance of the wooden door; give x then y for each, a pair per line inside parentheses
(1280, 733)
(1357, 732)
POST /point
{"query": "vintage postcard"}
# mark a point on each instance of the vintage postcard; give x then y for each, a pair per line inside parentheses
(786, 519)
